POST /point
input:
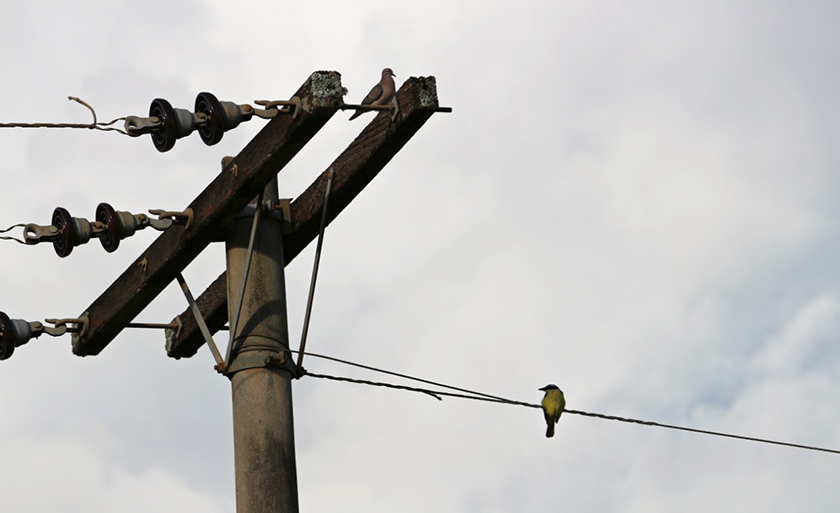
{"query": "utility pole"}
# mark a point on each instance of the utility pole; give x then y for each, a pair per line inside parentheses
(259, 364)
(261, 237)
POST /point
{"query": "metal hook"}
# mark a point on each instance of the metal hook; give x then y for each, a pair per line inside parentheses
(185, 218)
(294, 108)
(62, 326)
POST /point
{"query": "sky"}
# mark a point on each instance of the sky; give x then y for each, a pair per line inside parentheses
(635, 201)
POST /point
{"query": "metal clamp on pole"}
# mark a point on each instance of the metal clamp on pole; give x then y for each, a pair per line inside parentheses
(282, 207)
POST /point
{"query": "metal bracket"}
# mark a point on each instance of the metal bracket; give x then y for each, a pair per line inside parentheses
(82, 322)
(258, 358)
(282, 206)
(395, 108)
(173, 333)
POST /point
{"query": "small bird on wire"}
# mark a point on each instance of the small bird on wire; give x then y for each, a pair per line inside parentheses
(553, 404)
(381, 94)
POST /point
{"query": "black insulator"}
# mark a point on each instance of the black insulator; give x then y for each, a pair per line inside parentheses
(212, 132)
(65, 241)
(221, 117)
(7, 337)
(106, 215)
(164, 138)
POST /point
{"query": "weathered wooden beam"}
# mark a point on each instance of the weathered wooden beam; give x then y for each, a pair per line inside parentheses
(353, 170)
(240, 181)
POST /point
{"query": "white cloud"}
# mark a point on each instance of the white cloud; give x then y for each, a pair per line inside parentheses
(635, 202)
(78, 478)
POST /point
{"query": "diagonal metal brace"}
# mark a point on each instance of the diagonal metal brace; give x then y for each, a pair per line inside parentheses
(220, 364)
(234, 324)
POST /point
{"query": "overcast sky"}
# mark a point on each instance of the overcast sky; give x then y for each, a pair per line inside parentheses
(637, 201)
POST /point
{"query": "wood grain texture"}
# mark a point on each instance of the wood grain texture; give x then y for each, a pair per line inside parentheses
(357, 165)
(238, 183)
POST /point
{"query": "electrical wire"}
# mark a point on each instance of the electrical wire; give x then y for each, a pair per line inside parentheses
(412, 378)
(480, 396)
(104, 127)
(9, 237)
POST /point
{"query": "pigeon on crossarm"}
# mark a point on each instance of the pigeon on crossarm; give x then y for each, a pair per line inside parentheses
(381, 94)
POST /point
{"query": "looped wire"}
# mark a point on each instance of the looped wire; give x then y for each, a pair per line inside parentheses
(79, 100)
(13, 238)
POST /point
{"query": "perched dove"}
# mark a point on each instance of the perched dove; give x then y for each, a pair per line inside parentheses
(381, 94)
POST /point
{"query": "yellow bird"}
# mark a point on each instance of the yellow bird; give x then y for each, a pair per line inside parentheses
(553, 404)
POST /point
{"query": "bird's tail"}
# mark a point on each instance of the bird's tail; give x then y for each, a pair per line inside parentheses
(549, 431)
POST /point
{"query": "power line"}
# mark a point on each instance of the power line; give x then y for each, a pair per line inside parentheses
(413, 378)
(105, 127)
(480, 396)
(434, 394)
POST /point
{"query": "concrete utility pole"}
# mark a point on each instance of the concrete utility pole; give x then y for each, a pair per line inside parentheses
(260, 367)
